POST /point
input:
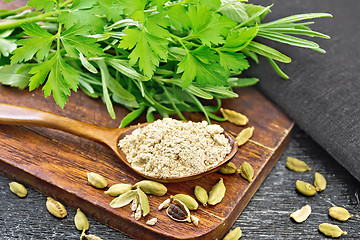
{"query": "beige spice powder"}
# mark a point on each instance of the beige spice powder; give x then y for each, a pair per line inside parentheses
(171, 148)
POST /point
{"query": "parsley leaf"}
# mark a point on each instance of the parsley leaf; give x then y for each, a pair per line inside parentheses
(233, 61)
(208, 26)
(156, 25)
(134, 9)
(178, 17)
(86, 45)
(47, 5)
(239, 39)
(61, 78)
(158, 3)
(39, 45)
(16, 75)
(149, 49)
(111, 9)
(6, 45)
(82, 18)
(236, 11)
(83, 4)
(200, 64)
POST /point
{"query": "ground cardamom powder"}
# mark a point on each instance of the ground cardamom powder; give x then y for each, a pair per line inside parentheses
(171, 148)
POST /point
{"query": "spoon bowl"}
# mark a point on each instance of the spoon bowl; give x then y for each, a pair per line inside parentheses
(16, 115)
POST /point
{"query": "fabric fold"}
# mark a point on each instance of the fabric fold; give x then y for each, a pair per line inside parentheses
(323, 92)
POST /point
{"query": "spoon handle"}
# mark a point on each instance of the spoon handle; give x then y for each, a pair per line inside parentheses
(16, 115)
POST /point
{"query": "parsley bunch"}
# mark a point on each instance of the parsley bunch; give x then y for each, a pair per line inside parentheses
(147, 55)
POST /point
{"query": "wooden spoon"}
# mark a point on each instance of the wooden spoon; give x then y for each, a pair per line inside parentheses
(16, 115)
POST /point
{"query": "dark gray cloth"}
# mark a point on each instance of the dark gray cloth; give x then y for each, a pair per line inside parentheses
(323, 92)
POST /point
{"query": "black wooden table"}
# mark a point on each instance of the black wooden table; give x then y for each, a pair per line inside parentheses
(266, 216)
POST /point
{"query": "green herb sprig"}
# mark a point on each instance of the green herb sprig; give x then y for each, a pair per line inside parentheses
(147, 55)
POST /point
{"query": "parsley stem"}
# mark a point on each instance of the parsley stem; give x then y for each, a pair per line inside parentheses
(10, 12)
(58, 37)
(172, 102)
(179, 40)
(16, 23)
(200, 106)
(66, 3)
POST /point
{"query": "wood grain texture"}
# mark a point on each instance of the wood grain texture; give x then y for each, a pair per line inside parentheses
(56, 163)
(265, 217)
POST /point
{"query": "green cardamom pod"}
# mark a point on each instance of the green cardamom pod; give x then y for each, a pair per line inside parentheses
(331, 230)
(247, 171)
(81, 221)
(229, 168)
(118, 189)
(18, 189)
(123, 199)
(234, 117)
(340, 213)
(305, 188)
(217, 192)
(151, 187)
(234, 234)
(189, 201)
(178, 211)
(55, 208)
(319, 182)
(201, 195)
(296, 165)
(96, 180)
(144, 202)
(244, 136)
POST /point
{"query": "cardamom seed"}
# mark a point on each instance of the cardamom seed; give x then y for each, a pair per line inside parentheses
(194, 220)
(302, 214)
(201, 195)
(229, 168)
(123, 199)
(244, 136)
(143, 202)
(118, 189)
(247, 171)
(178, 211)
(92, 237)
(217, 192)
(234, 234)
(331, 230)
(305, 188)
(151, 222)
(189, 201)
(81, 221)
(55, 208)
(164, 204)
(319, 182)
(234, 117)
(137, 214)
(340, 213)
(135, 203)
(296, 165)
(18, 189)
(96, 180)
(151, 187)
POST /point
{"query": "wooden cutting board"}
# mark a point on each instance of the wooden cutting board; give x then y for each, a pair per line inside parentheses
(55, 164)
